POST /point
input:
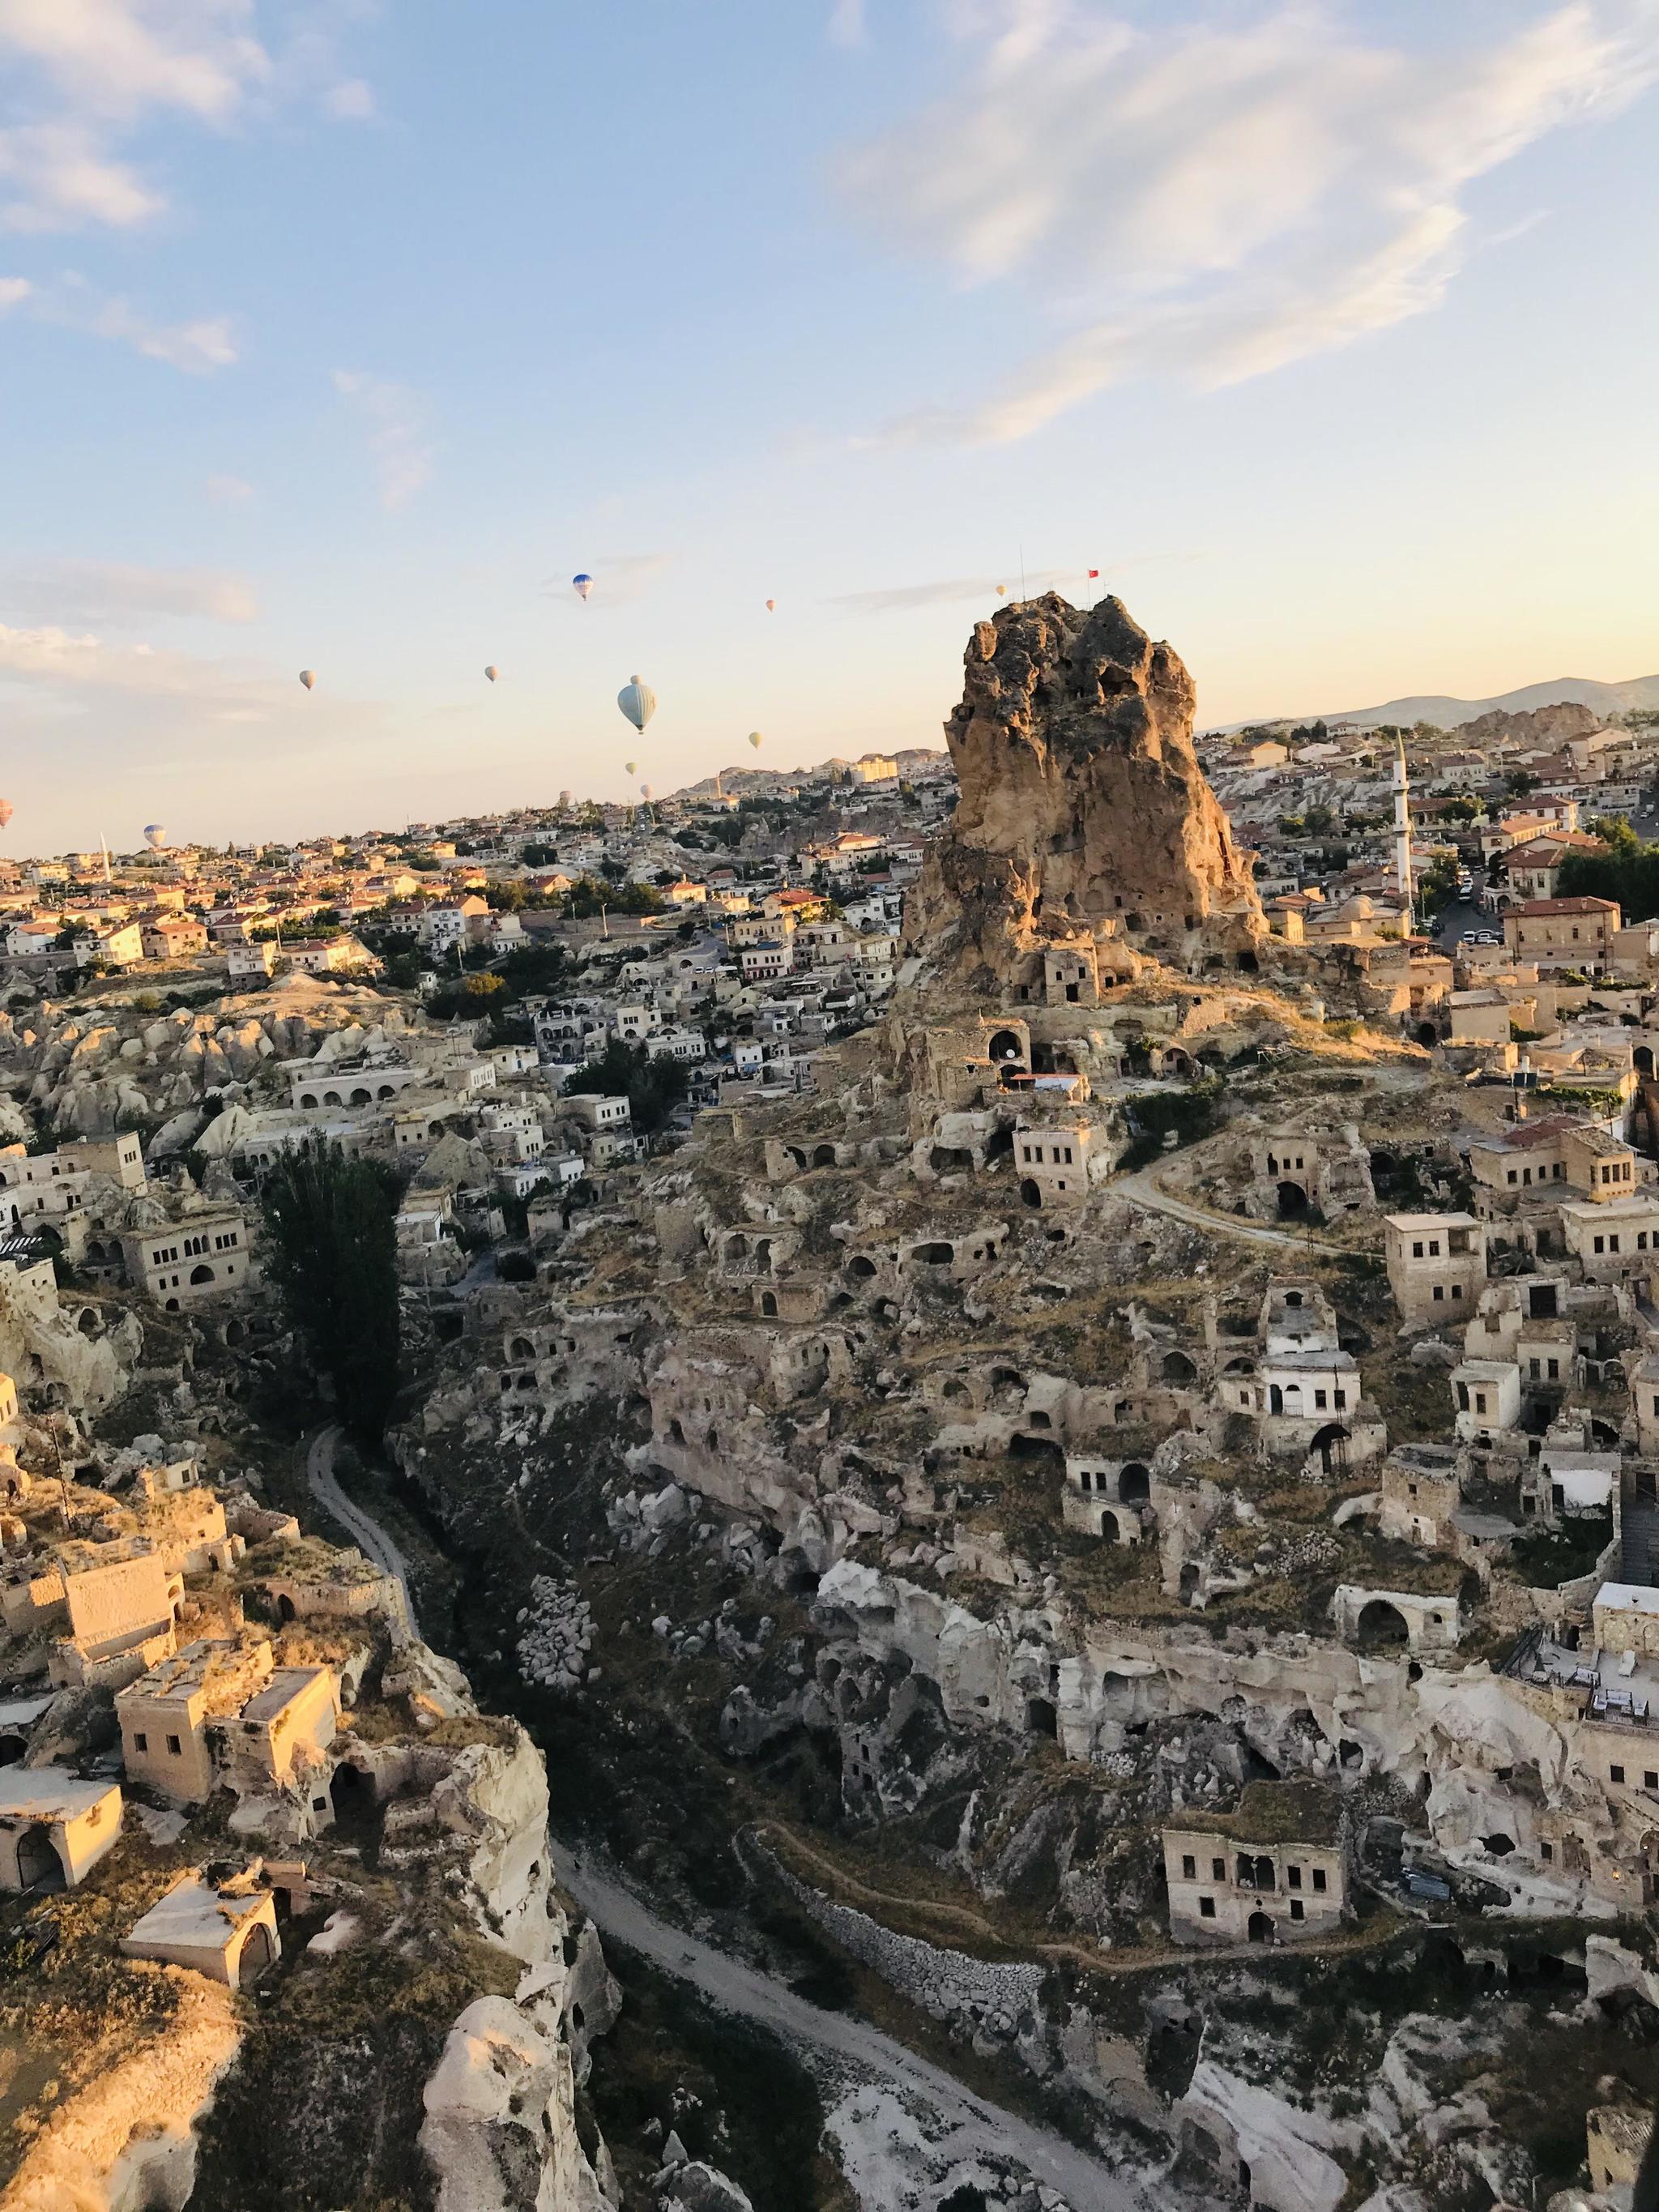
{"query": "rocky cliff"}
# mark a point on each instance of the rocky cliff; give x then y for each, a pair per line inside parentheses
(1543, 725)
(1085, 818)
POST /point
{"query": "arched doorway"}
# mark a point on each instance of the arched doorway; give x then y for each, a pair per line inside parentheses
(1189, 1583)
(1642, 1060)
(1108, 1526)
(1029, 1193)
(1382, 1626)
(1006, 1046)
(1041, 1717)
(1134, 1484)
(1178, 1369)
(257, 1953)
(1292, 1201)
(38, 1867)
(1259, 1928)
(12, 1748)
(201, 1273)
(1427, 1036)
(1331, 1443)
(769, 1304)
(824, 1156)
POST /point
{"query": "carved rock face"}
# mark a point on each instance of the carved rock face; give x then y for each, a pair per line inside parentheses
(1085, 818)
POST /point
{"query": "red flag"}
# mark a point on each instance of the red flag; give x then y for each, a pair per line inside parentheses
(1094, 572)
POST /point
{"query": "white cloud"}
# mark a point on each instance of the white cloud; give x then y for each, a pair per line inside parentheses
(198, 346)
(847, 24)
(399, 433)
(227, 491)
(1218, 199)
(350, 100)
(82, 76)
(76, 593)
(59, 178)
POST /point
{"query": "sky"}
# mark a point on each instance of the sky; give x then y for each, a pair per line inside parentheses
(340, 334)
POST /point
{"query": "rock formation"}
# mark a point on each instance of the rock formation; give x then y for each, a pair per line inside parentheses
(1543, 725)
(1084, 820)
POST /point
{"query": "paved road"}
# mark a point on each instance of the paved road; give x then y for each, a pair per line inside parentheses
(988, 2131)
(1140, 1190)
(368, 1534)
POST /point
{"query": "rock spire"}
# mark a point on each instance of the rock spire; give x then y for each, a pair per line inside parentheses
(1084, 820)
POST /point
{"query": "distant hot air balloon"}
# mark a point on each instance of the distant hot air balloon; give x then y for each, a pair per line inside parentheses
(6, 811)
(492, 671)
(632, 768)
(154, 835)
(755, 739)
(309, 677)
(645, 791)
(771, 607)
(582, 586)
(638, 701)
(1002, 591)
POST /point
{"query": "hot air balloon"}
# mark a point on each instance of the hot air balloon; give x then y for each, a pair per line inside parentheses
(6, 811)
(582, 586)
(771, 607)
(1002, 591)
(755, 739)
(645, 791)
(492, 671)
(154, 835)
(638, 701)
(631, 768)
(309, 677)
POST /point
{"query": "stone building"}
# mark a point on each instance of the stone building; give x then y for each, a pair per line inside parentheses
(1437, 1265)
(54, 1827)
(226, 1931)
(201, 1256)
(221, 1713)
(1274, 1870)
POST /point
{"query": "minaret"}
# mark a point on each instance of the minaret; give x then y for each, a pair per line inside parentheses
(1402, 831)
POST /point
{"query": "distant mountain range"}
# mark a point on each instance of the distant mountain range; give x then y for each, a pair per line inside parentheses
(1448, 712)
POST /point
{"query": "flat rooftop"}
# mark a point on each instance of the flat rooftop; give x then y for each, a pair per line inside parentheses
(47, 1793)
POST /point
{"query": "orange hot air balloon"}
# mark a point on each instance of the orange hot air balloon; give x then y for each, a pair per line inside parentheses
(309, 677)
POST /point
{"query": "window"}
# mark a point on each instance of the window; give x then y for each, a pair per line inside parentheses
(1457, 1290)
(1599, 1246)
(1535, 1370)
(319, 1804)
(1439, 1291)
(1341, 1397)
(174, 1747)
(1218, 1869)
(1298, 1910)
(1319, 1400)
(1546, 1852)
(1417, 1251)
(1480, 1401)
(1555, 1370)
(1650, 1779)
(1615, 1774)
(1434, 1248)
(1206, 1908)
(1319, 1879)
(1293, 1877)
(140, 1740)
(1189, 1868)
(1511, 1178)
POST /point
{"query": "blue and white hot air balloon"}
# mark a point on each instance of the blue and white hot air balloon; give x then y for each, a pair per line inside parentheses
(582, 586)
(155, 835)
(637, 701)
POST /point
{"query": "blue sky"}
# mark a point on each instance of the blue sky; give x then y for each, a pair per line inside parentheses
(339, 335)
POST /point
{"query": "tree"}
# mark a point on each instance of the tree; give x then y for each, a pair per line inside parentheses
(1616, 833)
(653, 1084)
(1465, 807)
(332, 1254)
(1438, 885)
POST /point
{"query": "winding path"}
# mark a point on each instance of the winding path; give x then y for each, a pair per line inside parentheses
(1140, 1189)
(985, 2129)
(371, 1540)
